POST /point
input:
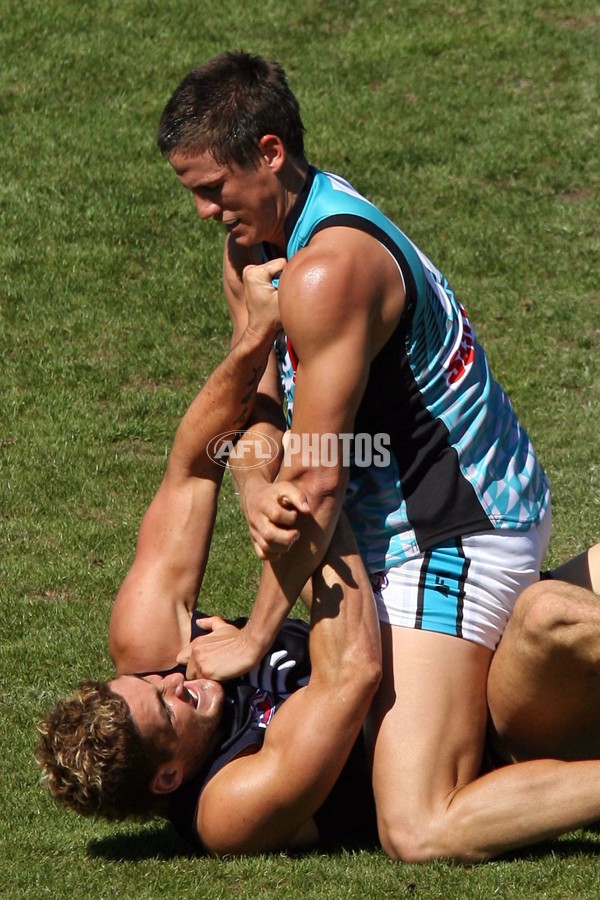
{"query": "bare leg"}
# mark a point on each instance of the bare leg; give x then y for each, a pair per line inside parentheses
(583, 570)
(593, 555)
(544, 682)
(427, 726)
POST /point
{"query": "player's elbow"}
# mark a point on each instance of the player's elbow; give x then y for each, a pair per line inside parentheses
(117, 649)
(360, 674)
(353, 679)
(322, 485)
(370, 673)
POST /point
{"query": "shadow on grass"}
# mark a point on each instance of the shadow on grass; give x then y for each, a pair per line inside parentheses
(162, 842)
(158, 842)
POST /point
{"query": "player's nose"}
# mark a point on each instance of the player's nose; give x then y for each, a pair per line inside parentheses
(174, 680)
(205, 208)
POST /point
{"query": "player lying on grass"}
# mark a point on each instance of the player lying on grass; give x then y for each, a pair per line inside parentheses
(270, 760)
(274, 760)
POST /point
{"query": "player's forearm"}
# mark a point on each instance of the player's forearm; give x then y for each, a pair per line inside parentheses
(233, 385)
(283, 579)
(224, 404)
(345, 640)
(252, 301)
(258, 453)
(259, 458)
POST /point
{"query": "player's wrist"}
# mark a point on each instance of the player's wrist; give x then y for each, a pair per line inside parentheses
(250, 484)
(254, 645)
(259, 334)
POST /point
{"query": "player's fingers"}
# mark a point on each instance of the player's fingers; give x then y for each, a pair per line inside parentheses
(209, 623)
(290, 496)
(265, 552)
(263, 273)
(274, 267)
(270, 269)
(278, 517)
(274, 544)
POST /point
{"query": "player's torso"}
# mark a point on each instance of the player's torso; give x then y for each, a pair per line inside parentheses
(459, 461)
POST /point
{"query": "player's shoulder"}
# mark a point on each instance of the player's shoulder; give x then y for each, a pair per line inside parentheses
(331, 244)
(344, 266)
(340, 252)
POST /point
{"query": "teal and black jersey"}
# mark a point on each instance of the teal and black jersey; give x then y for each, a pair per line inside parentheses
(459, 462)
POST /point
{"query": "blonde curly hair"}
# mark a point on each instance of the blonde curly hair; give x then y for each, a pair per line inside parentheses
(93, 758)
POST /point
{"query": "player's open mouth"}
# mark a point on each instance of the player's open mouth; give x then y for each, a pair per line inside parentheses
(195, 697)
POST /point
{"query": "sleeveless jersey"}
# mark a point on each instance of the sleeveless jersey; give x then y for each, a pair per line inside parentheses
(458, 461)
(348, 814)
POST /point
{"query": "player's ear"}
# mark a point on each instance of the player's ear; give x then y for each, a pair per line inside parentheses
(167, 779)
(272, 149)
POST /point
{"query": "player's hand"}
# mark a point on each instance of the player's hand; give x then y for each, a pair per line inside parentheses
(261, 297)
(274, 514)
(224, 653)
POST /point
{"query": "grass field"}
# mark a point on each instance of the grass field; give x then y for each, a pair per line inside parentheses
(475, 126)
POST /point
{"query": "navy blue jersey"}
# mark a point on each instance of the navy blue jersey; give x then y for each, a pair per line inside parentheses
(348, 815)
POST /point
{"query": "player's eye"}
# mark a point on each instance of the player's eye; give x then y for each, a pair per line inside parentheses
(168, 707)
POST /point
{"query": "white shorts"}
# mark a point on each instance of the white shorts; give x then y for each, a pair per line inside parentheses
(465, 587)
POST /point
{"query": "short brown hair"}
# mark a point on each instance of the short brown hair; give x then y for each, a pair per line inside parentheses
(93, 758)
(225, 107)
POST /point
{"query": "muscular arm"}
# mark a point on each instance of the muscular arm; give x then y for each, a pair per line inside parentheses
(151, 614)
(266, 415)
(333, 346)
(269, 513)
(337, 314)
(264, 801)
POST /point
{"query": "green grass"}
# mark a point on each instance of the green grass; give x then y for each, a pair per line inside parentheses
(475, 126)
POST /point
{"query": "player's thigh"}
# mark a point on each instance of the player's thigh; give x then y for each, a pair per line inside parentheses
(544, 680)
(427, 728)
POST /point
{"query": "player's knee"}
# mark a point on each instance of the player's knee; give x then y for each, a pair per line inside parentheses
(405, 844)
(424, 841)
(546, 616)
